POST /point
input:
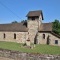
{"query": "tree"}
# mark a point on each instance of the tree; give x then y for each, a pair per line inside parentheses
(23, 21)
(14, 22)
(56, 26)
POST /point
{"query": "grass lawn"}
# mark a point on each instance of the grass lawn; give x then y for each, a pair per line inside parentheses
(42, 49)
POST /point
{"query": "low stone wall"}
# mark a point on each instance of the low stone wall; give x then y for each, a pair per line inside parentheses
(16, 55)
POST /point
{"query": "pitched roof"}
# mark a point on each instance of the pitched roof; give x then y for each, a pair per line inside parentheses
(55, 34)
(15, 27)
(46, 27)
(35, 13)
(22, 27)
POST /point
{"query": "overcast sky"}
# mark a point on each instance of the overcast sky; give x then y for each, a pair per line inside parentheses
(11, 10)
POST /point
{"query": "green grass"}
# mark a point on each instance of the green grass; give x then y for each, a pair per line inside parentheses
(42, 49)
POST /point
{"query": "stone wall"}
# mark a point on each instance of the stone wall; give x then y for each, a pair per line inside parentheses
(16, 55)
(32, 29)
(21, 37)
(51, 37)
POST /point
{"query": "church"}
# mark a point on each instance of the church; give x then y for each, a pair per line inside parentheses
(34, 31)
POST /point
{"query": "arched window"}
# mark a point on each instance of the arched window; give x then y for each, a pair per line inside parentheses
(43, 36)
(14, 36)
(4, 36)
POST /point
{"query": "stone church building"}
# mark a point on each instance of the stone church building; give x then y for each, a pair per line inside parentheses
(32, 31)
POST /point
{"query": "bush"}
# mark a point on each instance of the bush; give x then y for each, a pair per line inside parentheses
(24, 44)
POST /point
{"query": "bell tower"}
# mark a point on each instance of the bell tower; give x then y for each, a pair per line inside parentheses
(34, 20)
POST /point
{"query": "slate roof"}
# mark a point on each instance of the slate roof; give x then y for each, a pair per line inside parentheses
(35, 13)
(46, 27)
(15, 27)
(21, 27)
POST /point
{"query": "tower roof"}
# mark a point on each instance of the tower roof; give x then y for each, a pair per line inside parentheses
(35, 13)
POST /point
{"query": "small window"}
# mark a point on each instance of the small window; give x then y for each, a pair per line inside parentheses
(33, 18)
(43, 36)
(56, 41)
(14, 36)
(4, 35)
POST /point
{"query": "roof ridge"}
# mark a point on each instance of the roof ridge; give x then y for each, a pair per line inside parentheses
(35, 10)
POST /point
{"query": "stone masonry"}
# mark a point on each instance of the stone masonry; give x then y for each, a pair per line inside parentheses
(21, 37)
(32, 29)
(16, 55)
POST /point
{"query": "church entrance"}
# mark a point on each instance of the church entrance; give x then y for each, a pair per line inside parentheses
(48, 40)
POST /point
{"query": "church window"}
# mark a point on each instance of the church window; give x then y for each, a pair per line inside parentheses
(56, 41)
(4, 35)
(14, 36)
(33, 18)
(43, 36)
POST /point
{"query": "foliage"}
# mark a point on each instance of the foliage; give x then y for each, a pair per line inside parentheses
(56, 26)
(23, 21)
(24, 44)
(14, 22)
(42, 49)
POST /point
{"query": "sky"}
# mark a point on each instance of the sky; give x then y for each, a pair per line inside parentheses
(16, 10)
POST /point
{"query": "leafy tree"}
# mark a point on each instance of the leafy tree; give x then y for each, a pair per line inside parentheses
(23, 21)
(14, 22)
(56, 26)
